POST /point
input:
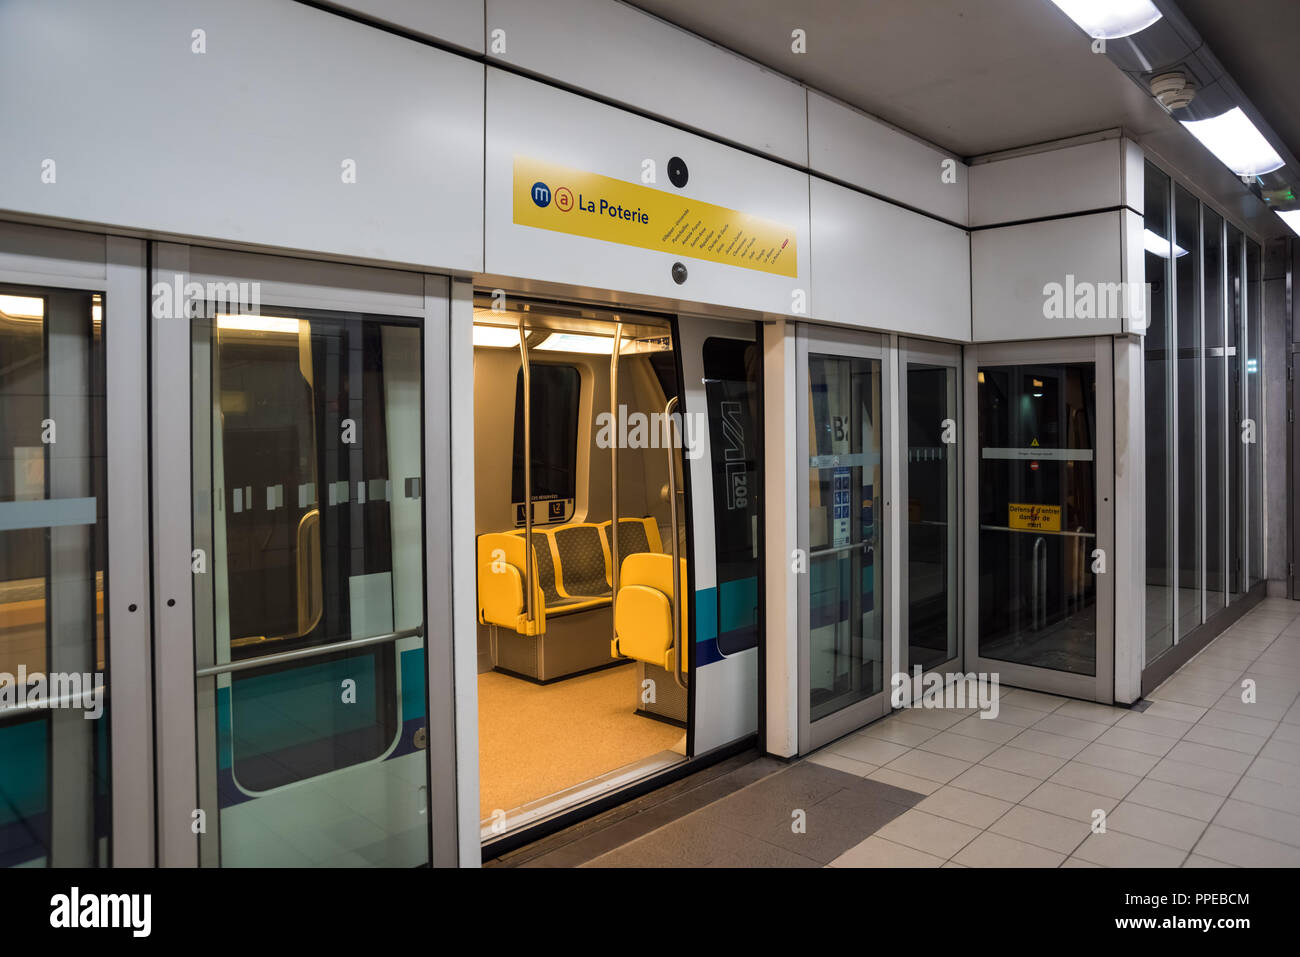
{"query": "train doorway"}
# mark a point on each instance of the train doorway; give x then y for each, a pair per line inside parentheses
(584, 637)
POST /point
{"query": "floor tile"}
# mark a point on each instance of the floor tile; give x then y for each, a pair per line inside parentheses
(1045, 742)
(1116, 849)
(1117, 759)
(965, 807)
(995, 850)
(1091, 711)
(1221, 759)
(1072, 727)
(1154, 824)
(987, 729)
(899, 732)
(909, 782)
(1195, 776)
(927, 765)
(995, 783)
(839, 762)
(1185, 801)
(1268, 794)
(1261, 821)
(1245, 850)
(1143, 741)
(960, 746)
(868, 750)
(1088, 777)
(1074, 803)
(1021, 761)
(926, 832)
(1041, 829)
(877, 852)
(1225, 738)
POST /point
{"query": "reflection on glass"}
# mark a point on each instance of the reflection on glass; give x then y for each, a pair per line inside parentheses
(1157, 356)
(54, 769)
(846, 660)
(1236, 449)
(1255, 410)
(731, 389)
(1187, 289)
(1216, 423)
(931, 516)
(1038, 516)
(308, 500)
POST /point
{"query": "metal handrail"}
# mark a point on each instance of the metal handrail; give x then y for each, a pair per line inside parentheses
(528, 473)
(314, 652)
(1038, 596)
(669, 426)
(613, 481)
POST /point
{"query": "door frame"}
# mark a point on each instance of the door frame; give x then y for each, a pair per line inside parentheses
(948, 355)
(1099, 351)
(315, 284)
(865, 345)
(114, 266)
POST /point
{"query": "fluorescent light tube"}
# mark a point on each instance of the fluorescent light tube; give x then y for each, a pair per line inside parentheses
(1110, 19)
(1292, 218)
(1232, 138)
(496, 337)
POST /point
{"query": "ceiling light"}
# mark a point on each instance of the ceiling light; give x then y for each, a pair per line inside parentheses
(1159, 246)
(570, 342)
(1292, 218)
(1232, 137)
(23, 307)
(241, 323)
(1110, 19)
(496, 337)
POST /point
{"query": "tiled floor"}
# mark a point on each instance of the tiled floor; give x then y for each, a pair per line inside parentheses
(1200, 778)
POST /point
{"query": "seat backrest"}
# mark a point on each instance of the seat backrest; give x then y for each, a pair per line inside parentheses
(584, 559)
(635, 535)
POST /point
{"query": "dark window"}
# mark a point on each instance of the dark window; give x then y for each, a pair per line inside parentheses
(555, 391)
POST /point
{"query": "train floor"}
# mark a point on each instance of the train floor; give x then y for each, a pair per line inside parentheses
(1191, 776)
(537, 740)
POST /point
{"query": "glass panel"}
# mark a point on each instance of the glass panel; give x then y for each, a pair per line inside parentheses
(1236, 449)
(308, 500)
(1038, 516)
(1187, 329)
(846, 653)
(731, 389)
(1255, 410)
(931, 582)
(54, 772)
(1159, 438)
(1216, 415)
(554, 442)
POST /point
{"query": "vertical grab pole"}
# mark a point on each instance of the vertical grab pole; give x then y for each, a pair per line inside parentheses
(528, 472)
(669, 426)
(1040, 546)
(613, 478)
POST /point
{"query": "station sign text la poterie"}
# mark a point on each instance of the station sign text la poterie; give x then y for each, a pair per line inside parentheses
(572, 201)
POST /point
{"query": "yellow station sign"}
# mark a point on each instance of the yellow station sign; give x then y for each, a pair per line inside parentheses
(616, 211)
(1046, 518)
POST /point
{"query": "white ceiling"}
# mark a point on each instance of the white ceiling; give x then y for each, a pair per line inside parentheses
(981, 77)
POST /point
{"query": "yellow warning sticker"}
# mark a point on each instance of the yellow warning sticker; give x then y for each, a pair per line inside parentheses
(1046, 518)
(566, 200)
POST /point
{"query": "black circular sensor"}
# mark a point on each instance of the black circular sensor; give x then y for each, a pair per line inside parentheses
(679, 273)
(677, 172)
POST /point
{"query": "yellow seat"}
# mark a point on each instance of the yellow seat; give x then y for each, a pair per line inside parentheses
(501, 577)
(643, 614)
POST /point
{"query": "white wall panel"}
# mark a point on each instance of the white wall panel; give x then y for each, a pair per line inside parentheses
(246, 141)
(884, 267)
(1052, 183)
(1012, 265)
(456, 22)
(855, 148)
(625, 55)
(530, 119)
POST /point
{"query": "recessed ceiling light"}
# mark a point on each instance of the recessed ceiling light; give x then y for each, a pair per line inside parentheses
(571, 342)
(1110, 19)
(496, 337)
(242, 323)
(1292, 218)
(1232, 137)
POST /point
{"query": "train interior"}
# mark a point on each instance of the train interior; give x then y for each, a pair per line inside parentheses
(582, 669)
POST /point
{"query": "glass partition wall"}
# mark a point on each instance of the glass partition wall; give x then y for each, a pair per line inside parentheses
(1203, 396)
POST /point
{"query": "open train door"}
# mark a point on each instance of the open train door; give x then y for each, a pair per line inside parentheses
(723, 429)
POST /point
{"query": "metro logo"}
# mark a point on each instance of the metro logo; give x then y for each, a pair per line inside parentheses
(632, 214)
